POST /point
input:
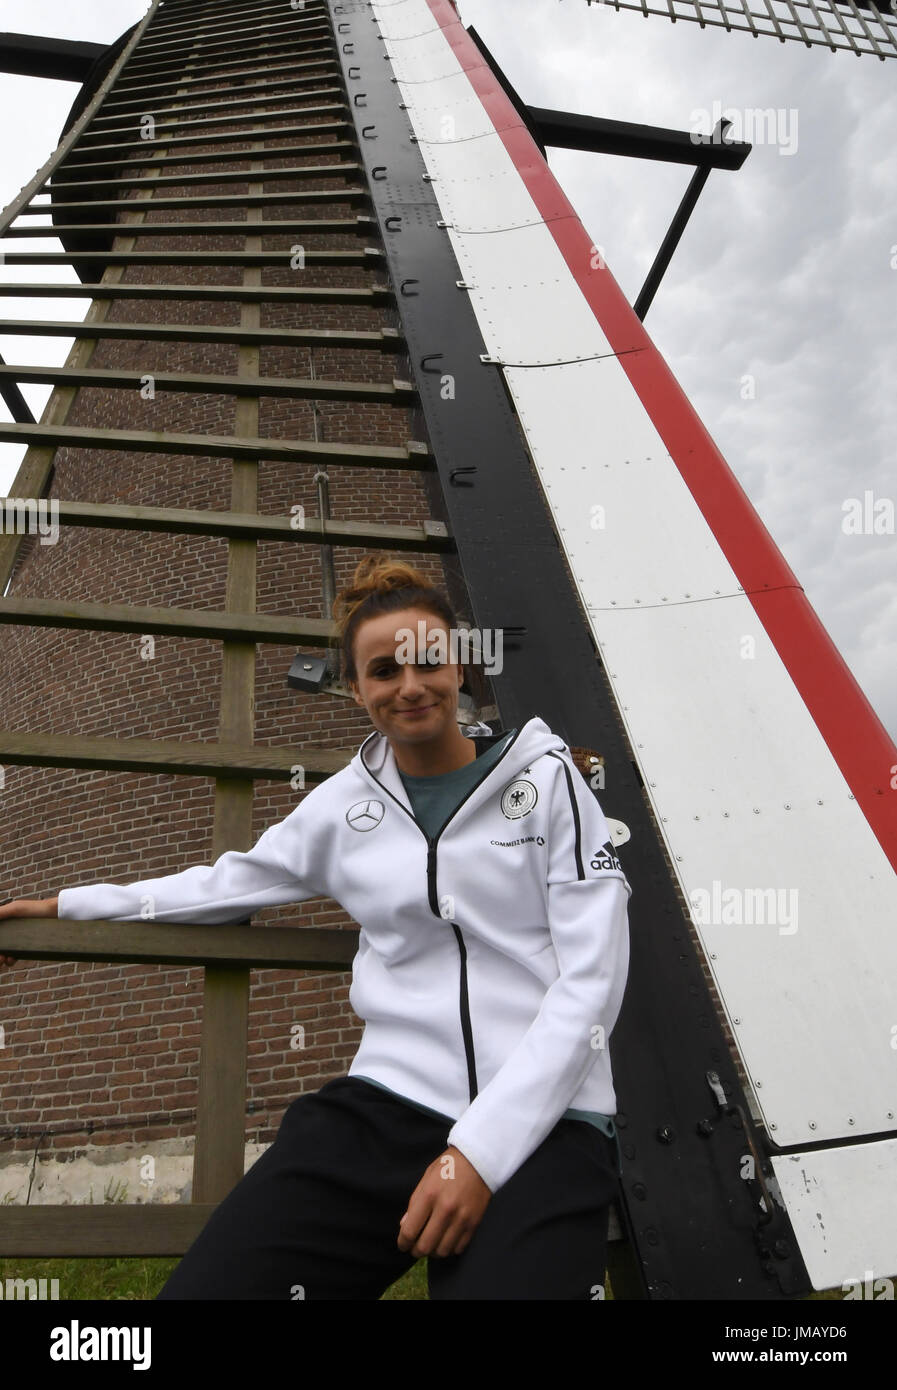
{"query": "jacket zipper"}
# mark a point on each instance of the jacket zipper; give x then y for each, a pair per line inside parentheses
(433, 899)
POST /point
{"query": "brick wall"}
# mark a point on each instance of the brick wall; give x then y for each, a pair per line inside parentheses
(112, 1046)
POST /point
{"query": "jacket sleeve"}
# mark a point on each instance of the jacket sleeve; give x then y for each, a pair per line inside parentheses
(588, 896)
(286, 864)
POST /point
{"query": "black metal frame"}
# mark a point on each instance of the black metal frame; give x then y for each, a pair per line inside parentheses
(34, 55)
(567, 130)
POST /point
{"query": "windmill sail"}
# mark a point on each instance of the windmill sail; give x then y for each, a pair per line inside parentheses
(771, 776)
(854, 26)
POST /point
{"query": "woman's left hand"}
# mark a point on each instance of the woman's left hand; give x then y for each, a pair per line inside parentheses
(445, 1208)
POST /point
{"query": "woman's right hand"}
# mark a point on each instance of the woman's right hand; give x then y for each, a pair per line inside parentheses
(26, 907)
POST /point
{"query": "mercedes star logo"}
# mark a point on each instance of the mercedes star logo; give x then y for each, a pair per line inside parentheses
(365, 815)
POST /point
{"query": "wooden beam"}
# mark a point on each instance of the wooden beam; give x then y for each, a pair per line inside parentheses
(355, 193)
(239, 96)
(297, 171)
(221, 1104)
(150, 1229)
(335, 108)
(230, 294)
(360, 257)
(227, 758)
(361, 225)
(400, 393)
(174, 622)
(36, 467)
(167, 943)
(413, 455)
(165, 86)
(222, 137)
(431, 536)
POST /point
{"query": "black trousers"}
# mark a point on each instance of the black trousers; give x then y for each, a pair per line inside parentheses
(317, 1215)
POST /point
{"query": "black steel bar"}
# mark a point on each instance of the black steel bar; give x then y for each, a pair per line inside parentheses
(16, 403)
(674, 234)
(32, 55)
(569, 131)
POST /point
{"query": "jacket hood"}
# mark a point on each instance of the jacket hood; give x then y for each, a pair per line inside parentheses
(376, 758)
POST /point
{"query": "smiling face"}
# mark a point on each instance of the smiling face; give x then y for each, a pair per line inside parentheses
(411, 702)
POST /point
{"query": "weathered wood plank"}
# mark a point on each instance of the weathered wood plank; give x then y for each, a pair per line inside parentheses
(431, 536)
(298, 171)
(166, 943)
(277, 763)
(387, 339)
(221, 1100)
(398, 393)
(151, 1229)
(355, 193)
(175, 622)
(230, 294)
(412, 455)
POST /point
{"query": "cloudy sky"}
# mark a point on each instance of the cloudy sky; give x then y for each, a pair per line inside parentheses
(777, 313)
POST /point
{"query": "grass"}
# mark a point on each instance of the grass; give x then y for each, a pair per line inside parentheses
(101, 1280)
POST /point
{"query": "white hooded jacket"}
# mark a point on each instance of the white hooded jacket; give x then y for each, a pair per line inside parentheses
(492, 958)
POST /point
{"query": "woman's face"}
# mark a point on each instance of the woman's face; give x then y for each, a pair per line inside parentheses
(408, 700)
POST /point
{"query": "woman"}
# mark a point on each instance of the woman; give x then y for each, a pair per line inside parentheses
(474, 1125)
